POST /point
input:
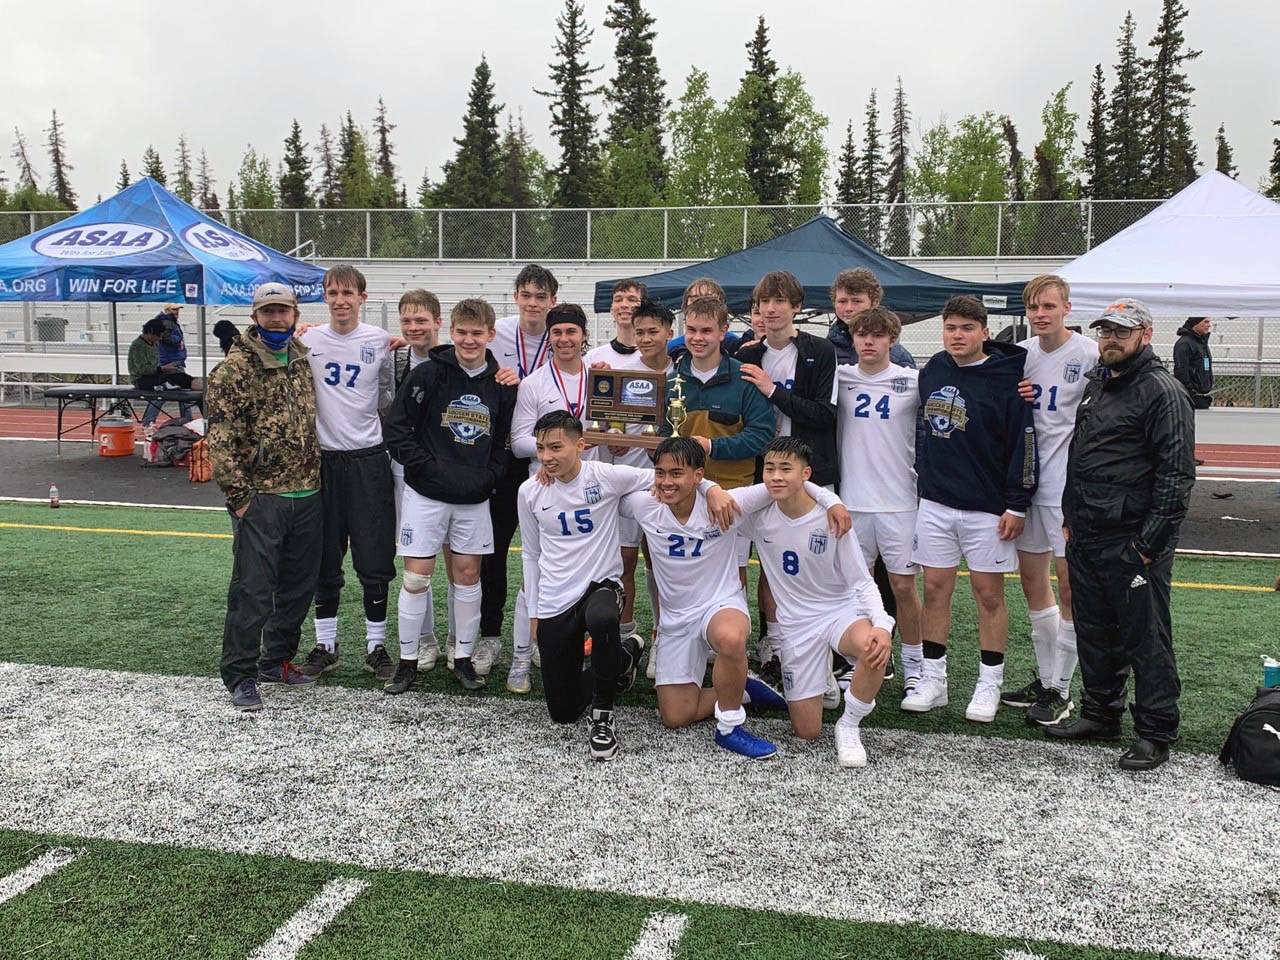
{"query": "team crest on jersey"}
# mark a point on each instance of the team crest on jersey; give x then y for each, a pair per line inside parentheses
(592, 492)
(900, 384)
(467, 418)
(818, 542)
(711, 533)
(367, 354)
(406, 536)
(945, 411)
(1071, 371)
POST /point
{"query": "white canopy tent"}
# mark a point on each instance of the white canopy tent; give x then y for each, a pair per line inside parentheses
(1212, 250)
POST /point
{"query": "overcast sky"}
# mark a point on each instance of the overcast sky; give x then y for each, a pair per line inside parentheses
(235, 73)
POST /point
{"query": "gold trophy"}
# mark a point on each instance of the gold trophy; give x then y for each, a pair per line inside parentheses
(676, 412)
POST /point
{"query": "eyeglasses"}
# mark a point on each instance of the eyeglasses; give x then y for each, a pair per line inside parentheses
(1116, 333)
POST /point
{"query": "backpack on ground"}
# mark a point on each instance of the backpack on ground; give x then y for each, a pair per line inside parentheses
(1253, 745)
(173, 442)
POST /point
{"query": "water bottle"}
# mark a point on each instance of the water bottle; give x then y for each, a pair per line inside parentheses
(55, 502)
(1270, 672)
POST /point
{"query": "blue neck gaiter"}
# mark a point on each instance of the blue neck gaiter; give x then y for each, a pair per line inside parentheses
(276, 340)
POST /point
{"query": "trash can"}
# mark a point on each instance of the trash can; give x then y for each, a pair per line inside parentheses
(51, 328)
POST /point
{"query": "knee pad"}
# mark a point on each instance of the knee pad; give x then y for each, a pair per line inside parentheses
(416, 582)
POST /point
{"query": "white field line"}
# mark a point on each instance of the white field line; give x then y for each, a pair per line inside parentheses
(1022, 955)
(49, 862)
(111, 503)
(307, 924)
(660, 937)
(943, 830)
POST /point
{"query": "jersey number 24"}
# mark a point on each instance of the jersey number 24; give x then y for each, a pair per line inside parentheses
(864, 401)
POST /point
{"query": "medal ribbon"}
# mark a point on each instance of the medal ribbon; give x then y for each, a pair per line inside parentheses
(539, 355)
(575, 409)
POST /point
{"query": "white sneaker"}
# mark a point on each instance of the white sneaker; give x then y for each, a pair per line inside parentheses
(535, 656)
(929, 692)
(833, 697)
(449, 646)
(488, 651)
(651, 670)
(985, 703)
(428, 652)
(518, 678)
(849, 749)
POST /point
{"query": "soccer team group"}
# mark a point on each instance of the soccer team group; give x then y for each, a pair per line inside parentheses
(832, 455)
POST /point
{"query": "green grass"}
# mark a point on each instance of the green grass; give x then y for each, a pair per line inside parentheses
(125, 901)
(155, 604)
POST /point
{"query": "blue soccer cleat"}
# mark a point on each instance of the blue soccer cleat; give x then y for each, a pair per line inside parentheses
(746, 744)
(762, 696)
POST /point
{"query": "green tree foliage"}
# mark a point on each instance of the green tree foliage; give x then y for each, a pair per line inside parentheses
(849, 188)
(385, 189)
(183, 185)
(1057, 167)
(804, 141)
(152, 166)
(707, 149)
(255, 192)
(1126, 154)
(1226, 162)
(59, 180)
(330, 190)
(206, 196)
(123, 180)
(257, 189)
(355, 169)
(472, 178)
(1169, 145)
(898, 232)
(295, 172)
(635, 157)
(26, 169)
(573, 122)
(767, 161)
(967, 164)
(1096, 166)
(1271, 186)
(872, 166)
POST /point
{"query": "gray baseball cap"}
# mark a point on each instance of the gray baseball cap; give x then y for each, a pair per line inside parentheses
(273, 292)
(1126, 312)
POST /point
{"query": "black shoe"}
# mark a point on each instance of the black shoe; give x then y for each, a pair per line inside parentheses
(889, 673)
(1024, 697)
(604, 737)
(466, 674)
(406, 673)
(1052, 708)
(1082, 728)
(320, 661)
(1144, 755)
(245, 696)
(285, 675)
(379, 663)
(631, 651)
(771, 673)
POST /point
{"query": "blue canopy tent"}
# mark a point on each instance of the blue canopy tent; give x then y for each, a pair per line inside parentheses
(815, 252)
(145, 244)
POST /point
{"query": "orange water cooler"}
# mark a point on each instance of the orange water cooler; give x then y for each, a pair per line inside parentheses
(115, 437)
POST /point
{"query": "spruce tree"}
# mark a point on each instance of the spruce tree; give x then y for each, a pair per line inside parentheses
(1272, 187)
(1126, 153)
(123, 180)
(471, 178)
(872, 173)
(22, 157)
(1095, 149)
(898, 237)
(767, 161)
(573, 124)
(355, 173)
(295, 173)
(385, 194)
(1016, 173)
(58, 160)
(517, 189)
(207, 199)
(636, 94)
(182, 182)
(1226, 158)
(330, 193)
(1169, 145)
(152, 166)
(849, 188)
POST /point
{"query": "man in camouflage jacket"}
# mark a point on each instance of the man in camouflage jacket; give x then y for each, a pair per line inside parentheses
(265, 456)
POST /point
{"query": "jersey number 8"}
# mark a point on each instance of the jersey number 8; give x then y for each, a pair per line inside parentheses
(790, 563)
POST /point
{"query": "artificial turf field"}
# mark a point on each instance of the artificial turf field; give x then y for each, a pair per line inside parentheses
(442, 824)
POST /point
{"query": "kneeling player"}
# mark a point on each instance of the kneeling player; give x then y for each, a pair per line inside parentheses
(449, 428)
(569, 532)
(695, 566)
(826, 601)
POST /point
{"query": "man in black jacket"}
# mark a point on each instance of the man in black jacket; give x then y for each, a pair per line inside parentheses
(1192, 362)
(449, 427)
(1129, 476)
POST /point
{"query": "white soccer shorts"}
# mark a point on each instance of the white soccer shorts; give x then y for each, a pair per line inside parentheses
(629, 532)
(806, 651)
(1043, 532)
(744, 550)
(682, 646)
(890, 535)
(944, 535)
(426, 525)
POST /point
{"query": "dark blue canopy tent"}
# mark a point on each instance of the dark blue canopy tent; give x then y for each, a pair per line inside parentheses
(815, 252)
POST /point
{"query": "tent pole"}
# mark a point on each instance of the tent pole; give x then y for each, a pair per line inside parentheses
(204, 345)
(115, 343)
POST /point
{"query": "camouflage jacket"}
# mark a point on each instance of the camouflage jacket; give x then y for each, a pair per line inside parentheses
(262, 422)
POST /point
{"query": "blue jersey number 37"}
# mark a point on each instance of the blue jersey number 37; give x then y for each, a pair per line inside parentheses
(334, 372)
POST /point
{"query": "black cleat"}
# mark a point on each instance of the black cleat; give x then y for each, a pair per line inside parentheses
(465, 671)
(1052, 708)
(1024, 697)
(1082, 728)
(632, 652)
(1144, 755)
(320, 661)
(771, 673)
(245, 696)
(379, 663)
(889, 672)
(604, 736)
(405, 675)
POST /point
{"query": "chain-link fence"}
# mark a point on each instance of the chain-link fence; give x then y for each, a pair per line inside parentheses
(1021, 229)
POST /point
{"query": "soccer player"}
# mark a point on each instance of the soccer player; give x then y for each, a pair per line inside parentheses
(520, 342)
(703, 609)
(351, 364)
(976, 467)
(852, 292)
(827, 602)
(569, 533)
(449, 429)
(878, 404)
(1057, 361)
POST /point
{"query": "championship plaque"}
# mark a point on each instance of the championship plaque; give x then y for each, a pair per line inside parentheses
(630, 403)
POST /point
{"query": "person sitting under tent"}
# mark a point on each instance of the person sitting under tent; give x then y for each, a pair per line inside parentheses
(147, 373)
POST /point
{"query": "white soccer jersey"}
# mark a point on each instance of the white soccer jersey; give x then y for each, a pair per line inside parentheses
(1059, 381)
(569, 533)
(625, 359)
(876, 418)
(547, 388)
(354, 378)
(811, 573)
(780, 365)
(696, 563)
(512, 347)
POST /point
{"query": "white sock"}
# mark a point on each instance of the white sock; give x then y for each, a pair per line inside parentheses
(935, 669)
(854, 709)
(1044, 632)
(1066, 661)
(912, 660)
(327, 633)
(428, 629)
(410, 609)
(988, 674)
(450, 605)
(727, 720)
(466, 603)
(521, 639)
(375, 634)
